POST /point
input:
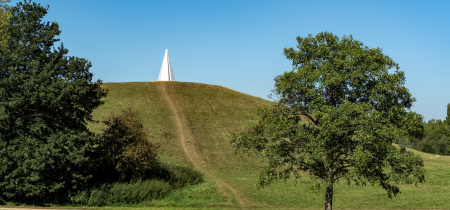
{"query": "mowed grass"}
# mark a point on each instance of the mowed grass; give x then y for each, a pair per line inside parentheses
(211, 113)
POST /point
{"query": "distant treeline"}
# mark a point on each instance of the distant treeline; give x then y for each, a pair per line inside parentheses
(436, 138)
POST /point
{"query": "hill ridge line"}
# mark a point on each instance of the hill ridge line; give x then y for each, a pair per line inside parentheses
(184, 145)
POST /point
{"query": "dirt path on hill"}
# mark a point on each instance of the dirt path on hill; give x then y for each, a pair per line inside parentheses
(187, 140)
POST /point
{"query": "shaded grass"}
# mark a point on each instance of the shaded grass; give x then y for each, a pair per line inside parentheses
(207, 195)
(154, 194)
(211, 113)
(123, 193)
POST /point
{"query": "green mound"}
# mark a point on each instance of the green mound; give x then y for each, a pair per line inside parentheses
(209, 114)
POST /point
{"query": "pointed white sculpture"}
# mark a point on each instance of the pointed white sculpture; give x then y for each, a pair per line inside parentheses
(166, 73)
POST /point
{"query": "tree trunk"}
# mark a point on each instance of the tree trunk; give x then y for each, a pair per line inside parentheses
(329, 198)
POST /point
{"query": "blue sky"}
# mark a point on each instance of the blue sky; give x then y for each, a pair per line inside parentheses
(239, 43)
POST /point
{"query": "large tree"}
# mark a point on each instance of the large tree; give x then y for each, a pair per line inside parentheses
(337, 114)
(46, 101)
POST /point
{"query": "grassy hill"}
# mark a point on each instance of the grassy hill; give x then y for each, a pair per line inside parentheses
(193, 123)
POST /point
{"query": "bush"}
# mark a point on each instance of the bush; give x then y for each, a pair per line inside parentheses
(128, 153)
(37, 172)
(428, 149)
(177, 176)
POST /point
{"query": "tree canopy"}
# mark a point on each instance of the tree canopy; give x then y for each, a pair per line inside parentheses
(46, 101)
(125, 145)
(336, 117)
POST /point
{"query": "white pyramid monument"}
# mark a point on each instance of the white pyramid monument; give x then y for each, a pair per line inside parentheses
(166, 73)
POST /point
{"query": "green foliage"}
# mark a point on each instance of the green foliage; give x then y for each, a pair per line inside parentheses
(126, 147)
(46, 101)
(436, 139)
(130, 156)
(338, 112)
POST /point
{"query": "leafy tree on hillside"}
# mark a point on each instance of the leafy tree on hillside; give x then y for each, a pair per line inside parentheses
(127, 150)
(46, 101)
(337, 114)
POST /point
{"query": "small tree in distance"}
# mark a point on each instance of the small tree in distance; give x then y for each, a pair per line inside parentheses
(337, 114)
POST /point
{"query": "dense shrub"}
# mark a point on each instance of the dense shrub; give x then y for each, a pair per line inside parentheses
(177, 176)
(129, 155)
(36, 171)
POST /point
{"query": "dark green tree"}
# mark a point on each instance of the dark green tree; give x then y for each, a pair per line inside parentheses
(129, 155)
(337, 114)
(436, 139)
(46, 101)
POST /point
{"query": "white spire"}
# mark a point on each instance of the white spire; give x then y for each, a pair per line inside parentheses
(166, 73)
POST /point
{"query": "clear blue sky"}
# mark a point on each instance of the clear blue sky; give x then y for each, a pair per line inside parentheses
(238, 43)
